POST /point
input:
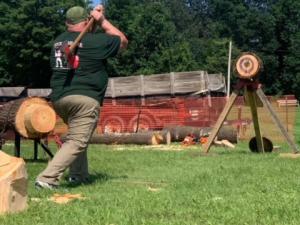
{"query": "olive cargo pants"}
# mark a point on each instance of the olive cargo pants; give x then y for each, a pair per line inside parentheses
(81, 114)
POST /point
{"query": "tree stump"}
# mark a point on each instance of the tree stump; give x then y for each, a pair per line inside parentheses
(31, 117)
(13, 184)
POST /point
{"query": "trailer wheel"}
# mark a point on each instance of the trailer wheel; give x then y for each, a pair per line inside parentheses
(142, 122)
(112, 124)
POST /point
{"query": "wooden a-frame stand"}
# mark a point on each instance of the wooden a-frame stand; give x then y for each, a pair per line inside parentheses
(37, 142)
(252, 92)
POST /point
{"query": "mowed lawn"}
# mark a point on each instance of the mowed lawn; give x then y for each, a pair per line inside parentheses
(171, 185)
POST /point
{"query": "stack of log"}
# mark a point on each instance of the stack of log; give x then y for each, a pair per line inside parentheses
(13, 184)
(227, 134)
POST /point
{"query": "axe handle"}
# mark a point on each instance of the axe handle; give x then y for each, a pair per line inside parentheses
(80, 36)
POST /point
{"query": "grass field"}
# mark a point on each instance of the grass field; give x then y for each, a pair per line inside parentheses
(171, 185)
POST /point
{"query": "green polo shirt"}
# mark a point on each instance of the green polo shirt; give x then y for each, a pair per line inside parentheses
(90, 78)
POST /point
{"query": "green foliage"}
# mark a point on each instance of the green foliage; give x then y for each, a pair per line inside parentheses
(26, 31)
(164, 36)
(288, 52)
(212, 54)
(268, 28)
(154, 46)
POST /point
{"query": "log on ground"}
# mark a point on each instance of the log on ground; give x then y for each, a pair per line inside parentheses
(13, 184)
(140, 138)
(178, 133)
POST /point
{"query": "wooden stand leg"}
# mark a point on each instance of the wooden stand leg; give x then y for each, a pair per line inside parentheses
(253, 106)
(45, 148)
(276, 120)
(36, 143)
(36, 148)
(220, 120)
(1, 142)
(17, 144)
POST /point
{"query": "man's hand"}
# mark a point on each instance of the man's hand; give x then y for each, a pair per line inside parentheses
(98, 13)
(108, 28)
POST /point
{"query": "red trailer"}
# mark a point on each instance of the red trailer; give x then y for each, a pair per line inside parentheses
(130, 115)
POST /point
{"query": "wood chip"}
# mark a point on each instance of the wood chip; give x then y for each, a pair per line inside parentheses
(290, 155)
(65, 198)
(153, 189)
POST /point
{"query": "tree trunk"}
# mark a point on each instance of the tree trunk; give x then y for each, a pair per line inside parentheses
(13, 184)
(30, 117)
(178, 133)
(141, 138)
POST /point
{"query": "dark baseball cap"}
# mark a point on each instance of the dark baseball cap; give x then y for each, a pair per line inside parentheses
(76, 15)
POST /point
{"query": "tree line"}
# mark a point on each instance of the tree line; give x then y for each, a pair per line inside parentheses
(164, 36)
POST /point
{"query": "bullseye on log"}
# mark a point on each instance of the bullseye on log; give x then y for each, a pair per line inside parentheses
(13, 184)
(248, 65)
(31, 117)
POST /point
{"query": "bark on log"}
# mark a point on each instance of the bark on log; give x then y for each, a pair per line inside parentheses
(13, 184)
(228, 133)
(30, 117)
(141, 138)
(178, 133)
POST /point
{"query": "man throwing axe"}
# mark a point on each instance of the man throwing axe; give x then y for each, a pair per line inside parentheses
(77, 93)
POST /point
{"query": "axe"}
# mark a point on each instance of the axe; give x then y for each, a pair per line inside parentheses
(72, 58)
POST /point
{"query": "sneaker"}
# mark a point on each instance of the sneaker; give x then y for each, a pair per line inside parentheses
(44, 185)
(76, 180)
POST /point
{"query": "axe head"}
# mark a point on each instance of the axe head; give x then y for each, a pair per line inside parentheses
(72, 59)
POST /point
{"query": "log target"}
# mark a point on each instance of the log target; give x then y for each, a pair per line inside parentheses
(248, 65)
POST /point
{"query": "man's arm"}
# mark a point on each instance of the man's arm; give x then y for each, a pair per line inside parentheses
(98, 14)
(112, 30)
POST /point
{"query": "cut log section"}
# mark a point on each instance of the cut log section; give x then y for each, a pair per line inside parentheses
(248, 65)
(142, 138)
(13, 184)
(31, 117)
(178, 133)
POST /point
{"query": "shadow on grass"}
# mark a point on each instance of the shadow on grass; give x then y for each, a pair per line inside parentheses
(216, 153)
(36, 160)
(93, 178)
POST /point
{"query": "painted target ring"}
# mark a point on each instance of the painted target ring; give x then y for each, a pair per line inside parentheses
(248, 66)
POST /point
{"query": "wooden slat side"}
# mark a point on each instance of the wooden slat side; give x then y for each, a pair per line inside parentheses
(167, 83)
